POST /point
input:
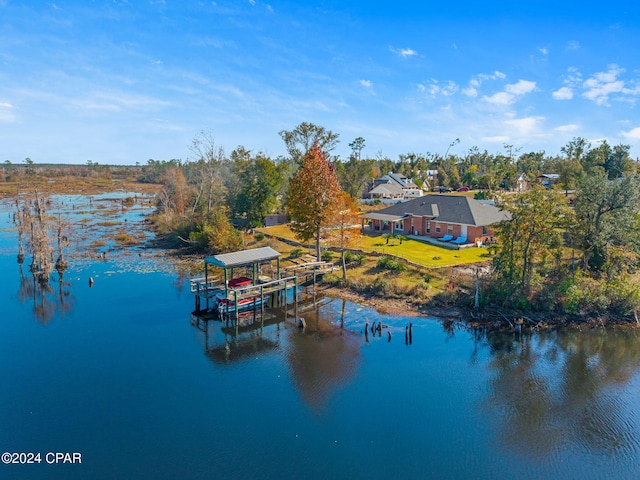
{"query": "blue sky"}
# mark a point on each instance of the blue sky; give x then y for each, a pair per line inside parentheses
(123, 81)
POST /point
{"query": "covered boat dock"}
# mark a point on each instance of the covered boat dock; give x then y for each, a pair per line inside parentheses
(262, 279)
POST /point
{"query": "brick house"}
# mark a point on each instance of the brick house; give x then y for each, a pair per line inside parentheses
(458, 218)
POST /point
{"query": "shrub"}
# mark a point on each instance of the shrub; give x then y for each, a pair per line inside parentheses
(295, 252)
(326, 256)
(259, 237)
(389, 263)
(331, 279)
(354, 258)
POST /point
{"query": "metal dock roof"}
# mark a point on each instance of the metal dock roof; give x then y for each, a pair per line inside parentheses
(243, 257)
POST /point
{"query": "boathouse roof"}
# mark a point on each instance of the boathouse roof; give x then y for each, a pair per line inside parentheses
(243, 257)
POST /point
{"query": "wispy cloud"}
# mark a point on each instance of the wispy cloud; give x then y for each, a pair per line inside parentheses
(434, 88)
(6, 112)
(118, 101)
(403, 52)
(478, 80)
(368, 85)
(573, 45)
(568, 128)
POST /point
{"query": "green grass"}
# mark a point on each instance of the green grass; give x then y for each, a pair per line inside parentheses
(412, 250)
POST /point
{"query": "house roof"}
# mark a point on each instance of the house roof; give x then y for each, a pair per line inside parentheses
(388, 188)
(243, 257)
(384, 217)
(447, 209)
(395, 179)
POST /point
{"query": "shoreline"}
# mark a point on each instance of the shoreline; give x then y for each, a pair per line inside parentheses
(499, 320)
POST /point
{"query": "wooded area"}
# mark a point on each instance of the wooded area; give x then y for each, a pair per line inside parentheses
(573, 246)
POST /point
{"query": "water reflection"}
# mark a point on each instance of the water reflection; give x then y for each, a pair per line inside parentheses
(322, 357)
(237, 341)
(553, 389)
(45, 297)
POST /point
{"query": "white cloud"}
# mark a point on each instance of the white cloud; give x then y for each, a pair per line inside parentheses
(543, 50)
(500, 98)
(470, 92)
(404, 52)
(633, 134)
(568, 128)
(511, 92)
(521, 88)
(525, 126)
(433, 89)
(476, 82)
(252, 2)
(563, 93)
(600, 86)
(368, 85)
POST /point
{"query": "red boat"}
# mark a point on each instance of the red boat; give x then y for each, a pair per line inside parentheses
(244, 303)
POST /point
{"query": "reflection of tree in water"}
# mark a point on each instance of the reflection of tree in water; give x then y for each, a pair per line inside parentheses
(322, 358)
(559, 388)
(46, 298)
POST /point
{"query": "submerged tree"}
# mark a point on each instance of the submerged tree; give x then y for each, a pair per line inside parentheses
(313, 194)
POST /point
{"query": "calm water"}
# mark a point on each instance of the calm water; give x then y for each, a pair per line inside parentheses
(122, 374)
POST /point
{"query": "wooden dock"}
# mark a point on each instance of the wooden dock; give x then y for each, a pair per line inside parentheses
(265, 290)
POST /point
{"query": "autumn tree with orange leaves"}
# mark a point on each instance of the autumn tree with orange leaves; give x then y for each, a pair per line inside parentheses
(313, 196)
(345, 223)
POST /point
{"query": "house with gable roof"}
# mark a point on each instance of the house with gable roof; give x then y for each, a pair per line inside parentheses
(394, 186)
(460, 219)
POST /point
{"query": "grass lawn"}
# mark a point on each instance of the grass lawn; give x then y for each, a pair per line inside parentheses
(412, 250)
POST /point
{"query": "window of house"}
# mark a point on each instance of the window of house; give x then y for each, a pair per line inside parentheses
(450, 229)
(485, 231)
(428, 227)
(399, 226)
(437, 228)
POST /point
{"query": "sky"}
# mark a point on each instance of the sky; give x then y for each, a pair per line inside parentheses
(125, 81)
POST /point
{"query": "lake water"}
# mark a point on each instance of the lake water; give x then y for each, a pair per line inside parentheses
(121, 373)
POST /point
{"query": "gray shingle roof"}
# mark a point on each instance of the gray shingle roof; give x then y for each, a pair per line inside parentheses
(448, 209)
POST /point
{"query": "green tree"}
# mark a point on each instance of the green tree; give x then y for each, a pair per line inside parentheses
(354, 175)
(356, 147)
(619, 162)
(260, 181)
(30, 168)
(607, 215)
(532, 232)
(305, 136)
(313, 194)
